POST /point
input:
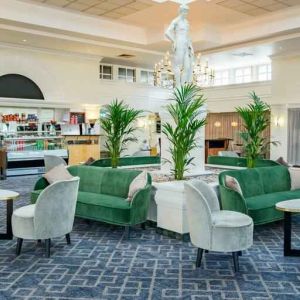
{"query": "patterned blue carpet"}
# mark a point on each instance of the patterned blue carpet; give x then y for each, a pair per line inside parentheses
(101, 264)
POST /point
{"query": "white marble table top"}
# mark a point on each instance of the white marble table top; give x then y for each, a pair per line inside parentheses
(8, 195)
(289, 205)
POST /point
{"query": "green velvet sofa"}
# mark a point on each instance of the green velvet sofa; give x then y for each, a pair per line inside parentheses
(262, 188)
(238, 161)
(128, 161)
(102, 195)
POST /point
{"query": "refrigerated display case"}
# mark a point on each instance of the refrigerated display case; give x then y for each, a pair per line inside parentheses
(26, 150)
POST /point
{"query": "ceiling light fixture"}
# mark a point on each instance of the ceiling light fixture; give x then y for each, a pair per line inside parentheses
(203, 75)
(24, 41)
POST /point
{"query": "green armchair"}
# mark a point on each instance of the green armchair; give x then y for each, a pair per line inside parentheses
(102, 195)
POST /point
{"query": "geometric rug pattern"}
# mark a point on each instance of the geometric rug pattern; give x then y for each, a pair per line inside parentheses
(101, 264)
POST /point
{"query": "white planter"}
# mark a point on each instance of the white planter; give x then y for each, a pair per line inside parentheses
(171, 206)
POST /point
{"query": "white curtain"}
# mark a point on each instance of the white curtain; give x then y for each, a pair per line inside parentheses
(294, 136)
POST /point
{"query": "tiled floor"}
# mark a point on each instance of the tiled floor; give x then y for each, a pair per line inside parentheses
(101, 264)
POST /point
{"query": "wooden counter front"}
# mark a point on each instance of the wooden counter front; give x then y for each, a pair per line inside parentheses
(82, 147)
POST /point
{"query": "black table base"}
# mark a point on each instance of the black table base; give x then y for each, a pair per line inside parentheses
(288, 251)
(9, 211)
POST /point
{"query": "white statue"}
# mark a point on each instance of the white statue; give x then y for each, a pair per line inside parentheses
(178, 34)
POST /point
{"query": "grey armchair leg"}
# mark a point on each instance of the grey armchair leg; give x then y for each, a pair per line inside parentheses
(48, 245)
(68, 238)
(19, 246)
(235, 256)
(127, 232)
(199, 257)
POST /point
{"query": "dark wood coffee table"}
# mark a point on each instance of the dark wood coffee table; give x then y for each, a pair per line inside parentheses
(289, 207)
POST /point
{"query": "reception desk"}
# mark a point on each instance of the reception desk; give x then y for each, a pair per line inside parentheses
(82, 147)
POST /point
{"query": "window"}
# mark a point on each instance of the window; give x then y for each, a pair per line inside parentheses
(126, 74)
(106, 72)
(221, 77)
(264, 72)
(242, 75)
(167, 80)
(147, 77)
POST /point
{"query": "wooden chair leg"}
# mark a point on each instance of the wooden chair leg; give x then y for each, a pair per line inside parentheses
(199, 257)
(68, 238)
(235, 256)
(19, 246)
(127, 232)
(48, 245)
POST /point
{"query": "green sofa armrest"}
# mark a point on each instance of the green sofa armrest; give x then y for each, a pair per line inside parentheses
(140, 205)
(41, 184)
(232, 200)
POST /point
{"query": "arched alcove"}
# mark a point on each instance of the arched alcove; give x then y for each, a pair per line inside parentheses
(19, 86)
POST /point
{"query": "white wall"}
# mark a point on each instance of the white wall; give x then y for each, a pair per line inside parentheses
(226, 98)
(74, 80)
(285, 95)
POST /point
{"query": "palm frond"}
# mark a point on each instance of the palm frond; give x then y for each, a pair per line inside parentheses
(256, 119)
(185, 111)
(118, 126)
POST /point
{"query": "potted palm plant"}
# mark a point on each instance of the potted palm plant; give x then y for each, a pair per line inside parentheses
(185, 111)
(118, 124)
(256, 118)
(183, 133)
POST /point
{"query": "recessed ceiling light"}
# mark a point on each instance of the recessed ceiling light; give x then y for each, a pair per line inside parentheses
(124, 55)
(24, 41)
(242, 54)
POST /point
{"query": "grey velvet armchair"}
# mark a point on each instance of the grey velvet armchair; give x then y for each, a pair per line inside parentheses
(52, 161)
(52, 215)
(213, 229)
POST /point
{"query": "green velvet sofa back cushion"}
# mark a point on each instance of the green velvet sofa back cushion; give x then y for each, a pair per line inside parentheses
(276, 179)
(239, 161)
(128, 161)
(114, 182)
(258, 181)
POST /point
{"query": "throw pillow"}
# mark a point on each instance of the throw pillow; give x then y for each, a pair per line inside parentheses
(57, 173)
(139, 182)
(295, 178)
(233, 184)
(89, 161)
(282, 162)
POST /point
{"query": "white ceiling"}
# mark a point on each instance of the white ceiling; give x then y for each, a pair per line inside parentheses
(114, 9)
(257, 7)
(218, 30)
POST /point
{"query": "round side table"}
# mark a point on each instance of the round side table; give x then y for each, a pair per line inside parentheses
(9, 197)
(289, 207)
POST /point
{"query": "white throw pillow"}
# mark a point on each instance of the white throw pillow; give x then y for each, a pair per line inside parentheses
(139, 182)
(295, 178)
(233, 184)
(57, 173)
